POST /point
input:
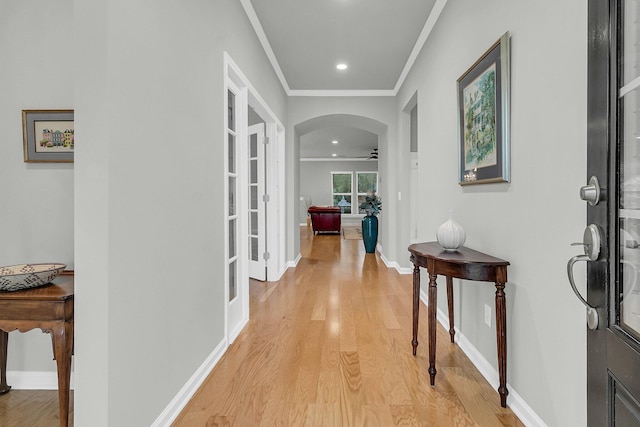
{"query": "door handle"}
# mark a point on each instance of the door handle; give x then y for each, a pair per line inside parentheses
(591, 243)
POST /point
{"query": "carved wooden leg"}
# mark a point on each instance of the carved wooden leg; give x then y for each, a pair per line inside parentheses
(62, 345)
(433, 303)
(501, 332)
(416, 306)
(4, 340)
(452, 331)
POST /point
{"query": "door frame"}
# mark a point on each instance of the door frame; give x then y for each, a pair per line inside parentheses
(599, 137)
(610, 358)
(274, 157)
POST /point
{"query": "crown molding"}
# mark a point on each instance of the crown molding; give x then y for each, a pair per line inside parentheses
(342, 93)
(336, 159)
(422, 38)
(257, 26)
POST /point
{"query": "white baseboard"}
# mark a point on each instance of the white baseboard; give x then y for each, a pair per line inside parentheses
(177, 404)
(234, 333)
(35, 380)
(517, 404)
(293, 264)
(387, 263)
(281, 271)
(393, 264)
(403, 270)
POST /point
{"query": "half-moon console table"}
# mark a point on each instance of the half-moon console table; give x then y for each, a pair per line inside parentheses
(466, 264)
(49, 308)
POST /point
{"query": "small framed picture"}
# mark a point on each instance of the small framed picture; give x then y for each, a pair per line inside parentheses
(483, 117)
(48, 136)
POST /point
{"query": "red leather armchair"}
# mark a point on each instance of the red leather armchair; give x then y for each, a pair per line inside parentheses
(325, 219)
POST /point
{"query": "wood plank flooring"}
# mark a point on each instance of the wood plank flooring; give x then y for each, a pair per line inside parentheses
(32, 408)
(329, 345)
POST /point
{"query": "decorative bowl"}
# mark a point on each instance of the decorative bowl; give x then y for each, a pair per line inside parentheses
(25, 276)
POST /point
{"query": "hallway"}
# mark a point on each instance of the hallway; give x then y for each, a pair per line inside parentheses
(329, 345)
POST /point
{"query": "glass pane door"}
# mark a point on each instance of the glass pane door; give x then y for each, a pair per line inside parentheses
(232, 184)
(628, 292)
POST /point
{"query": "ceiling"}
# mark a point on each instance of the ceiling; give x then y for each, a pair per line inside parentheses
(353, 143)
(377, 39)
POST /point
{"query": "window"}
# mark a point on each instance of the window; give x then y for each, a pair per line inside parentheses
(343, 191)
(366, 182)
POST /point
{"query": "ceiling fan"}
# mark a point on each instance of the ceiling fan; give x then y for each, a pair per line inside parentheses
(373, 155)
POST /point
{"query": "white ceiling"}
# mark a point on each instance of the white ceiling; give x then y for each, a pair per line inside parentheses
(352, 143)
(377, 39)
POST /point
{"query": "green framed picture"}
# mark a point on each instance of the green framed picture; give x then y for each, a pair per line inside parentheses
(483, 117)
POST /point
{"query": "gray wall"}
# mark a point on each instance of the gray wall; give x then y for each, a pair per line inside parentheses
(532, 220)
(149, 202)
(148, 199)
(315, 179)
(36, 217)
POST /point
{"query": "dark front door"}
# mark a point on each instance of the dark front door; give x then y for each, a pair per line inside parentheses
(612, 238)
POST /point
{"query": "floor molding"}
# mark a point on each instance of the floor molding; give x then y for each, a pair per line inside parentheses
(517, 404)
(235, 332)
(294, 263)
(177, 404)
(35, 380)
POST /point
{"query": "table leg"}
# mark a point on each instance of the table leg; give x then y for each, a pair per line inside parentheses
(501, 332)
(4, 341)
(416, 306)
(433, 303)
(62, 345)
(452, 331)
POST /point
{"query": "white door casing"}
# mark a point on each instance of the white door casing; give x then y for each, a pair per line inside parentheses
(237, 310)
(236, 275)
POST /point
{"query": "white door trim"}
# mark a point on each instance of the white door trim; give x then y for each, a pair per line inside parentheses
(236, 309)
(275, 185)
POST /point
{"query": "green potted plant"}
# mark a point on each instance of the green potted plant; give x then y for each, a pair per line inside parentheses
(372, 205)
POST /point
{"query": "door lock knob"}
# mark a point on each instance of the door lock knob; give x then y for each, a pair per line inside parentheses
(591, 193)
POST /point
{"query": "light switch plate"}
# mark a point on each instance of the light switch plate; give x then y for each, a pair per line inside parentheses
(487, 315)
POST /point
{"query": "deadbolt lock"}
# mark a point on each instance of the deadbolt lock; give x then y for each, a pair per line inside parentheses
(591, 193)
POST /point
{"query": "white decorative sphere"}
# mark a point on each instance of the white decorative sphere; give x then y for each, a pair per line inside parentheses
(451, 235)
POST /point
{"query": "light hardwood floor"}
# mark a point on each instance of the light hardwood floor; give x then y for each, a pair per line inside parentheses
(329, 345)
(31, 408)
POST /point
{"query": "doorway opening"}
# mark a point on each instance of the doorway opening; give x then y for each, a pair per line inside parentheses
(254, 149)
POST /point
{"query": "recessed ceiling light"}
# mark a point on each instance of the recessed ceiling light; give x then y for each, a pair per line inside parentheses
(334, 155)
(334, 142)
(341, 66)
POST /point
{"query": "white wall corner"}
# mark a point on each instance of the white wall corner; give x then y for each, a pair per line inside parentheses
(178, 403)
(517, 404)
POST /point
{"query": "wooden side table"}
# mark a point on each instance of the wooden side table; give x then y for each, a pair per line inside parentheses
(466, 264)
(49, 308)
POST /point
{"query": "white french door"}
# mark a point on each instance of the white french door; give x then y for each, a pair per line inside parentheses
(237, 286)
(253, 156)
(257, 220)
